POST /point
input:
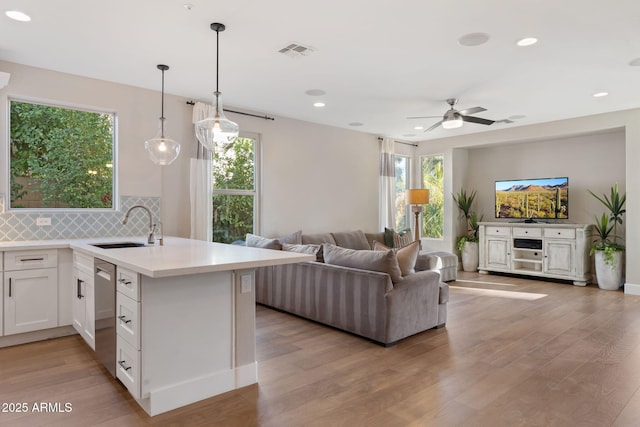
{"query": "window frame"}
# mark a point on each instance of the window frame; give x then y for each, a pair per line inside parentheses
(257, 186)
(115, 199)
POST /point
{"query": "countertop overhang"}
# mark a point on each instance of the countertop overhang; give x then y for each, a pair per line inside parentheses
(177, 257)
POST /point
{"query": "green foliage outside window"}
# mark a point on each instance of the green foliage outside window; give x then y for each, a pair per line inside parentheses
(433, 180)
(234, 191)
(60, 157)
(401, 186)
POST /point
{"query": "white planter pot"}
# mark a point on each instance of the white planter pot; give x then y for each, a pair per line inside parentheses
(470, 256)
(610, 276)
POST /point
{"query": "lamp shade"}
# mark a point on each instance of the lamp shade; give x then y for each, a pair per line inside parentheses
(417, 196)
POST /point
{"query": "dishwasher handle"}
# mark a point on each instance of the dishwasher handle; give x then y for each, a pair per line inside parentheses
(103, 273)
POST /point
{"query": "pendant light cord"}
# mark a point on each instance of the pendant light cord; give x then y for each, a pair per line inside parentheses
(217, 56)
(162, 108)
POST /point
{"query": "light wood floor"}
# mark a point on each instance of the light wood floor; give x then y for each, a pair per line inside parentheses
(515, 352)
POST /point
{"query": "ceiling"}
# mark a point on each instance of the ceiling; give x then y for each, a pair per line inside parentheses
(378, 62)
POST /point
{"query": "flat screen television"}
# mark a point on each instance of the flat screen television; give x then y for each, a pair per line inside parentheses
(539, 198)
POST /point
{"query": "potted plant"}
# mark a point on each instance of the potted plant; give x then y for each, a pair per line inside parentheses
(467, 244)
(609, 254)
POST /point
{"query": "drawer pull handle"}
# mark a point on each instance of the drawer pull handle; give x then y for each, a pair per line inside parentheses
(124, 319)
(9, 287)
(125, 281)
(31, 259)
(79, 293)
(123, 365)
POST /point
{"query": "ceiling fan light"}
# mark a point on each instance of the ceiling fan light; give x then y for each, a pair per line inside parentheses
(453, 123)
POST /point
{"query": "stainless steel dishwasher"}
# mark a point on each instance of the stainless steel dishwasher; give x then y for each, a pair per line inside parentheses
(105, 306)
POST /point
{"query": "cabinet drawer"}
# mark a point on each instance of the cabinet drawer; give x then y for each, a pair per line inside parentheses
(128, 282)
(83, 262)
(560, 233)
(128, 320)
(498, 231)
(29, 260)
(128, 366)
(527, 232)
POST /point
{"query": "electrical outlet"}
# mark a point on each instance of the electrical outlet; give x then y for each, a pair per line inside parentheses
(43, 221)
(245, 283)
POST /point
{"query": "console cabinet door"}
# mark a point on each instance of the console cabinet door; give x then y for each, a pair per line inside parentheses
(559, 257)
(84, 307)
(30, 300)
(497, 252)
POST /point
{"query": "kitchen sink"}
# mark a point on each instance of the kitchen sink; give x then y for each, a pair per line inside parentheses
(118, 245)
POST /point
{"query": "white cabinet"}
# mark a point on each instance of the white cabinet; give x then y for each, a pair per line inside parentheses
(30, 291)
(1, 305)
(559, 251)
(84, 298)
(128, 320)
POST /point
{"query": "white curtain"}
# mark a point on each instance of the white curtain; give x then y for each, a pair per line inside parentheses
(387, 184)
(200, 182)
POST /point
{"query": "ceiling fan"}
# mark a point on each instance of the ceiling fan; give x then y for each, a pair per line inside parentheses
(453, 118)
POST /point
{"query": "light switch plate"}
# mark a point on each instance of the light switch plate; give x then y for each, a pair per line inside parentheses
(245, 283)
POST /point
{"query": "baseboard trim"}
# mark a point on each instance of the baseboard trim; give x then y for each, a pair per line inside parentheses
(631, 289)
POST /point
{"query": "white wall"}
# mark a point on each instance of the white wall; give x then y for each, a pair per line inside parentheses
(315, 178)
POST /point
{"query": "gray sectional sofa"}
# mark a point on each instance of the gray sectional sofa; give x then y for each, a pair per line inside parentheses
(378, 305)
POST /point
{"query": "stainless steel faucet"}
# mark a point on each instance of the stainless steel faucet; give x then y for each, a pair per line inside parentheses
(152, 226)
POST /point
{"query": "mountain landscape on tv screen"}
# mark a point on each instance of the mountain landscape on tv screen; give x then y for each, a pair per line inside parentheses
(533, 201)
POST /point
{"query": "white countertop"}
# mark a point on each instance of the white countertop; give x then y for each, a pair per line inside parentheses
(177, 257)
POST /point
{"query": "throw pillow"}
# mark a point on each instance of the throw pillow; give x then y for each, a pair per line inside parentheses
(352, 240)
(302, 249)
(407, 256)
(255, 241)
(402, 238)
(382, 261)
(388, 237)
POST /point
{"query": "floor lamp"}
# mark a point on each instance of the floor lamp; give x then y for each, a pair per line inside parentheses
(417, 198)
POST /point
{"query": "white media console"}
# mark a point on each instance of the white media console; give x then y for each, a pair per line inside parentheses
(558, 251)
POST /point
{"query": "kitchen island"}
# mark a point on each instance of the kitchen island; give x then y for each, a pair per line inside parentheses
(186, 317)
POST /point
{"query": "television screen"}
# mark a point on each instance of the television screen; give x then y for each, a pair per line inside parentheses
(541, 198)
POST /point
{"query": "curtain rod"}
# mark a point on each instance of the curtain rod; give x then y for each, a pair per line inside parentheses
(239, 112)
(400, 142)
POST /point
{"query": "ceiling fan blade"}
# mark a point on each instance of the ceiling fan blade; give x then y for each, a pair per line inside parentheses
(434, 126)
(477, 120)
(471, 110)
(425, 117)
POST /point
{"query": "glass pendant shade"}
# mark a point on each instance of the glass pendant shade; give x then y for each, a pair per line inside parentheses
(216, 131)
(162, 150)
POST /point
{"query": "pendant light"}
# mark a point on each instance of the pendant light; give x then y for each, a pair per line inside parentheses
(162, 150)
(216, 132)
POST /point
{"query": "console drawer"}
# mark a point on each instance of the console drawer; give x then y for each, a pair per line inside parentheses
(128, 282)
(29, 260)
(498, 231)
(527, 232)
(128, 320)
(560, 233)
(128, 366)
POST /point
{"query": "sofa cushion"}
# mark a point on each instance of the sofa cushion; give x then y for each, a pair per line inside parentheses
(317, 239)
(256, 241)
(364, 259)
(352, 240)
(407, 256)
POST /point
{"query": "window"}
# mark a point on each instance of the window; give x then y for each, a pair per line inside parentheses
(235, 190)
(433, 180)
(403, 174)
(60, 157)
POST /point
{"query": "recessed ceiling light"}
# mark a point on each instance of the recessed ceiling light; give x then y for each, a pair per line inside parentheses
(527, 41)
(315, 92)
(600, 94)
(418, 128)
(16, 15)
(355, 124)
(635, 62)
(473, 39)
(319, 104)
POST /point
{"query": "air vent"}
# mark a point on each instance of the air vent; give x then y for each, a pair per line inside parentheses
(296, 50)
